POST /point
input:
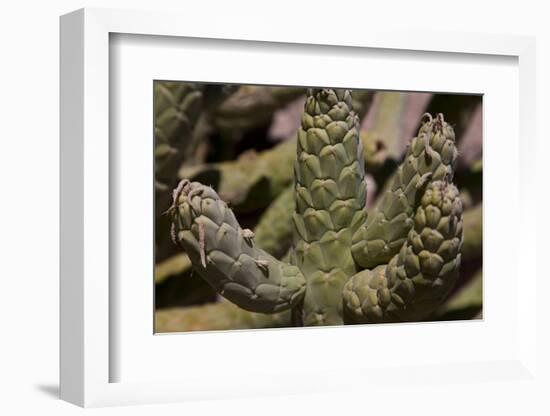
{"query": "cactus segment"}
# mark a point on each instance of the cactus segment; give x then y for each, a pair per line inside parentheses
(330, 201)
(431, 156)
(421, 275)
(226, 256)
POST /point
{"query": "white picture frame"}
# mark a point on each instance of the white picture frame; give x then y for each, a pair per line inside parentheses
(89, 298)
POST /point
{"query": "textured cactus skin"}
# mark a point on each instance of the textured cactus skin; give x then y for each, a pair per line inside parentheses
(420, 276)
(225, 255)
(330, 201)
(431, 156)
(397, 265)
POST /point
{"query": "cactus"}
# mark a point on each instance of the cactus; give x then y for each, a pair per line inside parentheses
(397, 265)
(431, 156)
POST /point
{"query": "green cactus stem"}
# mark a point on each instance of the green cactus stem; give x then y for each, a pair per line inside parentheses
(397, 265)
(420, 276)
(226, 256)
(430, 156)
(273, 233)
(330, 201)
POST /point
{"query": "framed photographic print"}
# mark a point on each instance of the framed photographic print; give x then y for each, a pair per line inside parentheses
(301, 167)
(284, 213)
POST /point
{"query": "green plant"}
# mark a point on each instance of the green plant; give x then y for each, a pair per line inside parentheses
(397, 265)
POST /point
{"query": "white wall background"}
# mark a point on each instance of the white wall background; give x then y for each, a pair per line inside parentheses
(29, 99)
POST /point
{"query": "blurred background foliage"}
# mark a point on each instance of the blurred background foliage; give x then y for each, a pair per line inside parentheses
(241, 140)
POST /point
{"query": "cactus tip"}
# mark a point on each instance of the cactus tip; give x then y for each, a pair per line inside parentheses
(263, 265)
(248, 236)
(427, 115)
(439, 121)
(182, 187)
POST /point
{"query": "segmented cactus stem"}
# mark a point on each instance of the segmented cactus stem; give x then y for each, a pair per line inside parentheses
(420, 276)
(330, 201)
(431, 156)
(226, 256)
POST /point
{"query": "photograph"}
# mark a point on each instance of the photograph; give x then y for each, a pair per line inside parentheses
(305, 206)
